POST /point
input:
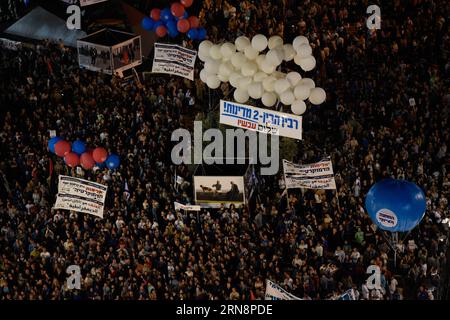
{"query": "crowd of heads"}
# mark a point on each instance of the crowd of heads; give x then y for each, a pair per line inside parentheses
(316, 244)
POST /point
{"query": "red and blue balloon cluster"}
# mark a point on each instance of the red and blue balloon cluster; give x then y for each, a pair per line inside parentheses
(173, 21)
(76, 154)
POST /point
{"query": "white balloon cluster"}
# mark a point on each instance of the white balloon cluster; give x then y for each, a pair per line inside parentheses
(253, 73)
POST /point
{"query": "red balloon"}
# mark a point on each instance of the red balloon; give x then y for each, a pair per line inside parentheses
(161, 31)
(177, 9)
(62, 148)
(183, 25)
(155, 13)
(72, 159)
(100, 155)
(87, 161)
(193, 21)
(186, 3)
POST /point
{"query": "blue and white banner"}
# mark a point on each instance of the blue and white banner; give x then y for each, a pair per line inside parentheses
(275, 292)
(261, 120)
(175, 60)
(317, 175)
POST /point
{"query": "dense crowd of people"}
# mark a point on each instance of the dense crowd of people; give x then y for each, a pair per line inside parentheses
(386, 115)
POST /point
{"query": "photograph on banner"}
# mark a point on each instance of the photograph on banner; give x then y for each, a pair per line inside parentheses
(317, 175)
(175, 60)
(94, 57)
(261, 120)
(84, 3)
(212, 191)
(127, 54)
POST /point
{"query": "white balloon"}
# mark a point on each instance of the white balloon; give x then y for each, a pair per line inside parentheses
(214, 52)
(302, 91)
(275, 41)
(244, 82)
(287, 97)
(255, 90)
(307, 82)
(204, 46)
(308, 63)
(259, 59)
(225, 69)
(275, 57)
(249, 69)
(288, 52)
(317, 96)
(304, 50)
(238, 59)
(240, 95)
(203, 56)
(204, 75)
(269, 99)
(267, 66)
(223, 78)
(213, 81)
(212, 66)
(259, 76)
(279, 75)
(250, 53)
(269, 84)
(281, 85)
(298, 107)
(241, 43)
(227, 49)
(299, 41)
(259, 42)
(293, 78)
(234, 79)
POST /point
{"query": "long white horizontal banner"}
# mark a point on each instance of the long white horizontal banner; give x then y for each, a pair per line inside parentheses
(317, 175)
(261, 120)
(175, 60)
(81, 195)
(275, 292)
(89, 2)
(186, 207)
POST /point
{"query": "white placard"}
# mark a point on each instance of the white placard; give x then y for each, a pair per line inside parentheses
(84, 3)
(275, 292)
(186, 207)
(317, 175)
(175, 60)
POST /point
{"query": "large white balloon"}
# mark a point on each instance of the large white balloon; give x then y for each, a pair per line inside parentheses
(317, 96)
(302, 91)
(298, 107)
(299, 41)
(293, 78)
(308, 63)
(240, 95)
(204, 75)
(304, 50)
(275, 41)
(234, 79)
(307, 82)
(204, 46)
(244, 82)
(225, 69)
(275, 57)
(249, 69)
(212, 66)
(255, 90)
(287, 97)
(259, 42)
(238, 59)
(241, 43)
(251, 53)
(203, 56)
(267, 66)
(288, 52)
(214, 52)
(269, 99)
(213, 81)
(269, 84)
(259, 59)
(281, 85)
(259, 76)
(227, 50)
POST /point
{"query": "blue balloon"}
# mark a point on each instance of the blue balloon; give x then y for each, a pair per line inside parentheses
(201, 33)
(171, 25)
(113, 161)
(166, 15)
(192, 34)
(78, 147)
(147, 23)
(173, 33)
(156, 25)
(52, 142)
(396, 205)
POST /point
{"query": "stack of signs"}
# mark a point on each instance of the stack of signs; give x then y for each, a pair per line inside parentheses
(260, 120)
(317, 175)
(81, 195)
(175, 60)
(275, 292)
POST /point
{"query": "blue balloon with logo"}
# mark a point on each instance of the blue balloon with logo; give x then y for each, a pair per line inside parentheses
(396, 205)
(79, 147)
(113, 161)
(51, 143)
